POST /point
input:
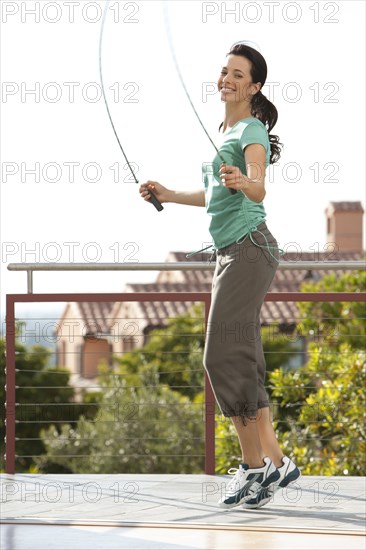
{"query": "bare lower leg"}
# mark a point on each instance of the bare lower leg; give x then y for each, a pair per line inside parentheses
(268, 437)
(258, 439)
(250, 443)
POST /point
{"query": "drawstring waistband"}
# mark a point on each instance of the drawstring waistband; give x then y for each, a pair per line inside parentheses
(240, 241)
(268, 246)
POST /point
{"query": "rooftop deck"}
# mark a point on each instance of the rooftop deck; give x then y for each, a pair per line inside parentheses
(143, 511)
(152, 511)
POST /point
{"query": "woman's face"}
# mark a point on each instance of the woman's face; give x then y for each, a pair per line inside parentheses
(235, 83)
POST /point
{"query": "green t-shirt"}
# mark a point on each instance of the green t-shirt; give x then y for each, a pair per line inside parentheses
(233, 216)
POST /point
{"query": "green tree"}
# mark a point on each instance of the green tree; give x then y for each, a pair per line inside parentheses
(150, 412)
(174, 352)
(325, 432)
(137, 431)
(41, 401)
(335, 322)
(320, 408)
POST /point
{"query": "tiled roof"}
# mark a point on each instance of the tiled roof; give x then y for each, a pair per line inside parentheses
(156, 313)
(95, 316)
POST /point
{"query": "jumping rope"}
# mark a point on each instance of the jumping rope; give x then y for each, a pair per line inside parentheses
(157, 204)
(153, 199)
(251, 226)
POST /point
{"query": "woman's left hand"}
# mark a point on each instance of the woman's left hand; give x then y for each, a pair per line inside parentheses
(232, 177)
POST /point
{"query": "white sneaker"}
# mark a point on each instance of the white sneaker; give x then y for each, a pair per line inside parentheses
(247, 482)
(289, 472)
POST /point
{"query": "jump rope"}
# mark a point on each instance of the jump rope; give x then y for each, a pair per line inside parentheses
(153, 199)
(157, 204)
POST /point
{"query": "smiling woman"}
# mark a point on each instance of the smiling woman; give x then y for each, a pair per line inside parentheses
(234, 357)
(234, 188)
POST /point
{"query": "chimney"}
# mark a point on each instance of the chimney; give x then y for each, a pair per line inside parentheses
(344, 225)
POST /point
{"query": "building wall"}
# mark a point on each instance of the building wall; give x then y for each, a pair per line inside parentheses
(70, 339)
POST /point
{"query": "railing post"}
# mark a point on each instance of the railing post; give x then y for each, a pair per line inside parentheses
(30, 281)
(10, 386)
(209, 411)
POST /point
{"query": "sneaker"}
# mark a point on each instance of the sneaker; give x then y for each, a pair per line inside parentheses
(247, 482)
(289, 472)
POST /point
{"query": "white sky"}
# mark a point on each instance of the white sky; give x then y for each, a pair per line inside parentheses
(313, 49)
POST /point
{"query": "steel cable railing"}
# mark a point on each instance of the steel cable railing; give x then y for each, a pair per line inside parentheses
(13, 407)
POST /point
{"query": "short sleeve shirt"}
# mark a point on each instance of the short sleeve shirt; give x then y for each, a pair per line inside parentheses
(233, 216)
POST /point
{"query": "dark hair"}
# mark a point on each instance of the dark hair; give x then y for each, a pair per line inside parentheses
(261, 107)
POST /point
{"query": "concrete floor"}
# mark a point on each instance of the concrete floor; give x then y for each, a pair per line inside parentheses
(177, 512)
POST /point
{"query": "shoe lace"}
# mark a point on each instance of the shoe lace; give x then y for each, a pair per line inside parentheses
(238, 473)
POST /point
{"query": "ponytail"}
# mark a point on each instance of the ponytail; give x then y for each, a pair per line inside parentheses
(266, 112)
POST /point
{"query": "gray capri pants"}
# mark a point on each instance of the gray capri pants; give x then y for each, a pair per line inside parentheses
(233, 356)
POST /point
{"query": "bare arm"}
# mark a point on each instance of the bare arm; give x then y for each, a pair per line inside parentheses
(190, 198)
(252, 185)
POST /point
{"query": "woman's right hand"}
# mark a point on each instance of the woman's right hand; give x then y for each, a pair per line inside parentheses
(160, 192)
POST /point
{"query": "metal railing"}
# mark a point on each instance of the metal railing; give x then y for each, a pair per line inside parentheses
(172, 266)
(205, 297)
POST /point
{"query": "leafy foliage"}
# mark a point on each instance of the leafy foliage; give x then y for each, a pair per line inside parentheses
(322, 405)
(335, 323)
(151, 412)
(174, 353)
(44, 396)
(324, 431)
(137, 431)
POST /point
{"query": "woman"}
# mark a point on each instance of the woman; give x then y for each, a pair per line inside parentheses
(247, 257)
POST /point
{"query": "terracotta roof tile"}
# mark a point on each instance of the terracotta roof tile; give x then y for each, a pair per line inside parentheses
(95, 315)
